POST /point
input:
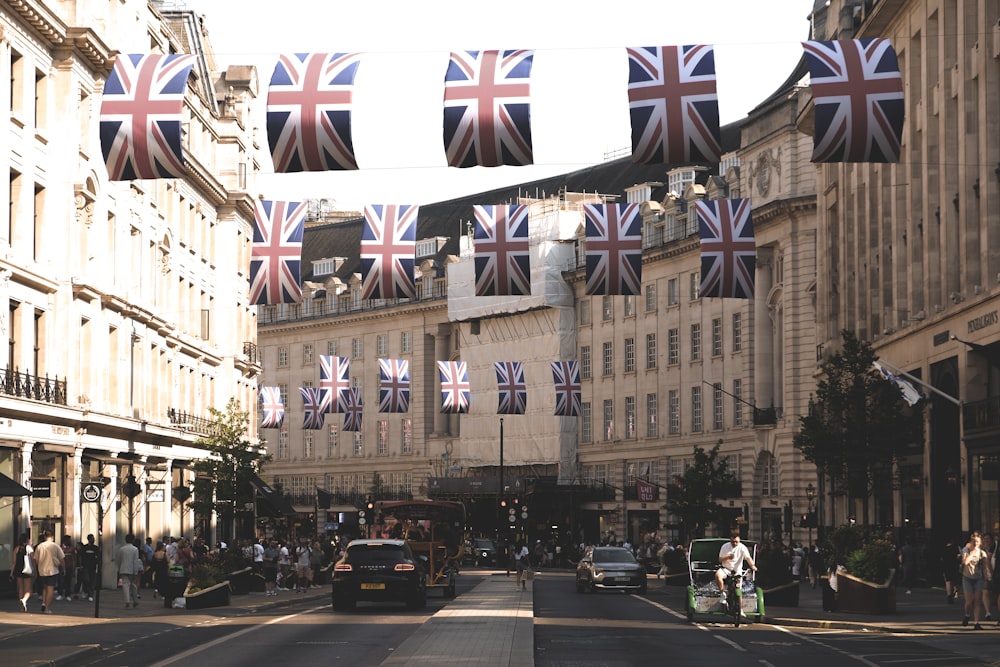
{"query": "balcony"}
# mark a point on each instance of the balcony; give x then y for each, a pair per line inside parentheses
(190, 422)
(252, 352)
(765, 416)
(981, 416)
(34, 387)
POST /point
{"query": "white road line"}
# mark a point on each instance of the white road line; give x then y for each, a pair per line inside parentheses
(852, 656)
(729, 641)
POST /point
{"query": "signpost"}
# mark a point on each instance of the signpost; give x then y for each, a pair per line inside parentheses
(93, 492)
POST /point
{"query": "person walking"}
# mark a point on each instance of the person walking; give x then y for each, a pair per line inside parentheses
(22, 570)
(303, 565)
(130, 569)
(159, 564)
(270, 568)
(908, 558)
(65, 588)
(89, 554)
(975, 573)
(49, 559)
(521, 563)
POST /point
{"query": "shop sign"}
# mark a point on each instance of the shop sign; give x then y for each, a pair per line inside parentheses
(41, 488)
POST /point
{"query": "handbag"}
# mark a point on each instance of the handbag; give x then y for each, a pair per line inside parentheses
(27, 569)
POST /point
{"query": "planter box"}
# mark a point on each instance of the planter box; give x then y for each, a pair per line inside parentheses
(857, 596)
(213, 596)
(245, 581)
(785, 595)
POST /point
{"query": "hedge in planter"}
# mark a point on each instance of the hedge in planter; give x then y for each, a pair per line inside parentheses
(775, 578)
(207, 587)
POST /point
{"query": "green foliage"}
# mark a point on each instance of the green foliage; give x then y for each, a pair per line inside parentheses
(840, 543)
(205, 575)
(872, 561)
(693, 495)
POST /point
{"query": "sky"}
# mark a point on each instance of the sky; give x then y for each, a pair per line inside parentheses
(579, 99)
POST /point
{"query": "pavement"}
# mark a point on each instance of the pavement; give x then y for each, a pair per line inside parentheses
(489, 625)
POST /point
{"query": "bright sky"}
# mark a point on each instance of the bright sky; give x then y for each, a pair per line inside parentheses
(579, 105)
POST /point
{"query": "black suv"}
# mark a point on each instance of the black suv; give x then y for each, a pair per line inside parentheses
(379, 571)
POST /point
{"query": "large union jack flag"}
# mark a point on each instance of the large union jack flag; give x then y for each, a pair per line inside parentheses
(141, 114)
(728, 248)
(271, 407)
(487, 114)
(566, 376)
(334, 381)
(858, 100)
(501, 250)
(312, 399)
(614, 248)
(388, 247)
(455, 390)
(510, 383)
(276, 260)
(673, 104)
(393, 385)
(309, 112)
(353, 410)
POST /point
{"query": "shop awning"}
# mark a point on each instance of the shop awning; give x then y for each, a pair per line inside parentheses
(11, 489)
(273, 499)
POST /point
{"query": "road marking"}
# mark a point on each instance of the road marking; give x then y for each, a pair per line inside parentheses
(848, 654)
(729, 641)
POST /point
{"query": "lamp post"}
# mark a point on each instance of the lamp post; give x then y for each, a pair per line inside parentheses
(501, 492)
(810, 495)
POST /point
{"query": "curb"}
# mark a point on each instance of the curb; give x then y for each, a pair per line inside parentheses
(71, 657)
(857, 626)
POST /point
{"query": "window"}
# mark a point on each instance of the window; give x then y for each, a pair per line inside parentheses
(585, 362)
(696, 409)
(717, 337)
(307, 354)
(651, 350)
(630, 417)
(283, 390)
(609, 419)
(41, 95)
(307, 444)
(383, 437)
(586, 428)
(695, 285)
(695, 342)
(769, 481)
(651, 415)
(717, 407)
(283, 358)
(283, 444)
(672, 294)
(673, 347)
(630, 355)
(331, 440)
(607, 308)
(630, 305)
(381, 345)
(331, 348)
(608, 359)
(737, 332)
(674, 412)
(357, 348)
(407, 435)
(405, 342)
(733, 466)
(359, 448)
(651, 298)
(737, 402)
(585, 311)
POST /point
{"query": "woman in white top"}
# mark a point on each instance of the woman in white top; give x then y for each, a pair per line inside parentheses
(520, 563)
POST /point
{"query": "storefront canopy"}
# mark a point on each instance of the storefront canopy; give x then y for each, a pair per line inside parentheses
(273, 499)
(10, 488)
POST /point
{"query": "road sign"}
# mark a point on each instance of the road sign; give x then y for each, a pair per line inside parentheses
(362, 521)
(91, 493)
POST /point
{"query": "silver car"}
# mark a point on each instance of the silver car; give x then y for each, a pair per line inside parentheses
(610, 568)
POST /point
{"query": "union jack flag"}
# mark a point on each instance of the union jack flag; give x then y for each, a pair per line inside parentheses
(858, 100)
(566, 376)
(352, 416)
(510, 383)
(455, 391)
(614, 248)
(388, 247)
(673, 104)
(272, 409)
(393, 385)
(728, 248)
(487, 115)
(312, 398)
(275, 263)
(309, 112)
(334, 381)
(501, 244)
(141, 114)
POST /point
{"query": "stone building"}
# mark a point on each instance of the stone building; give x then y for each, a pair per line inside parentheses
(124, 304)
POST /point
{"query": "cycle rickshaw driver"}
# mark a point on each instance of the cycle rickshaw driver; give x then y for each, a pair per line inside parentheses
(732, 555)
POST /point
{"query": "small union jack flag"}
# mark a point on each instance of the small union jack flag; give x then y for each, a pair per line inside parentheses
(309, 112)
(566, 376)
(858, 100)
(455, 391)
(275, 264)
(141, 113)
(334, 381)
(510, 383)
(352, 411)
(501, 245)
(487, 114)
(614, 248)
(393, 385)
(272, 409)
(728, 248)
(388, 248)
(312, 399)
(673, 104)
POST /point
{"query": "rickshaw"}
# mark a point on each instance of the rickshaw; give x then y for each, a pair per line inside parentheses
(441, 548)
(703, 593)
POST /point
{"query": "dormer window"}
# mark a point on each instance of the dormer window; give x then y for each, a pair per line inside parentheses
(429, 247)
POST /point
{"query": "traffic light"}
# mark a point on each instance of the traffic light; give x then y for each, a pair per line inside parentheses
(804, 521)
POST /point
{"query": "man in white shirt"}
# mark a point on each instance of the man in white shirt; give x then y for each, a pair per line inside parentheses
(732, 555)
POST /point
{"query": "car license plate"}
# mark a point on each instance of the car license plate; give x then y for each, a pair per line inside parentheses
(373, 587)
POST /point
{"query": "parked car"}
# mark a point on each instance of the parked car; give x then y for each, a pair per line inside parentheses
(484, 551)
(610, 568)
(379, 571)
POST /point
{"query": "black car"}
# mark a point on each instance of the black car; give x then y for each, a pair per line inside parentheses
(610, 568)
(379, 571)
(484, 551)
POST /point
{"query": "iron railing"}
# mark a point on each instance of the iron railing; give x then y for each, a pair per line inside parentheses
(191, 422)
(981, 415)
(37, 388)
(252, 352)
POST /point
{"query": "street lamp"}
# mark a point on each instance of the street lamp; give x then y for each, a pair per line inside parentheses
(810, 495)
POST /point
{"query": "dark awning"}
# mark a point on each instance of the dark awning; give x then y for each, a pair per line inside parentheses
(10, 488)
(274, 499)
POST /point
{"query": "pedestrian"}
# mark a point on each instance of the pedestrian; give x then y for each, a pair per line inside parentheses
(49, 559)
(950, 568)
(159, 564)
(303, 565)
(975, 573)
(146, 553)
(814, 563)
(64, 590)
(797, 560)
(184, 556)
(130, 570)
(908, 558)
(270, 568)
(315, 563)
(89, 554)
(521, 563)
(994, 583)
(988, 597)
(284, 567)
(22, 570)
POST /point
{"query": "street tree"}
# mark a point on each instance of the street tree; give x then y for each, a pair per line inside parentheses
(693, 495)
(232, 462)
(857, 426)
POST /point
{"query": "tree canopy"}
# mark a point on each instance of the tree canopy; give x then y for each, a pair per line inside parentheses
(693, 495)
